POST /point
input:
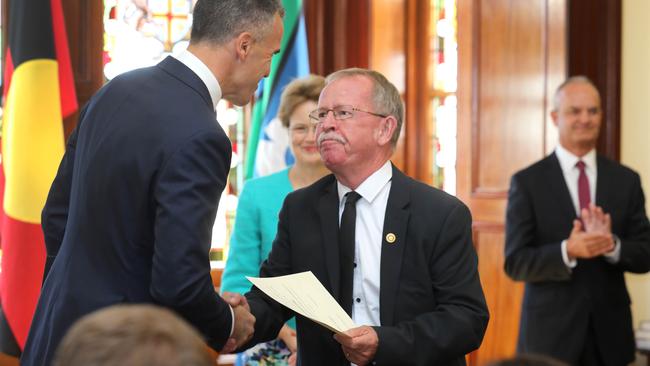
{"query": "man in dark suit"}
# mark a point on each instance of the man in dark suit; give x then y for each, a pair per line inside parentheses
(402, 263)
(575, 223)
(129, 215)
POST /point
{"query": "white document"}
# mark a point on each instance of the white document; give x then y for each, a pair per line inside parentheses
(304, 294)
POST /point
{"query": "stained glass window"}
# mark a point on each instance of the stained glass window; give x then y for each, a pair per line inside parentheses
(139, 33)
(443, 85)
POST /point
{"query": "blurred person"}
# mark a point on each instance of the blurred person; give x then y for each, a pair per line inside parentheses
(129, 216)
(132, 335)
(260, 202)
(529, 360)
(575, 223)
(395, 253)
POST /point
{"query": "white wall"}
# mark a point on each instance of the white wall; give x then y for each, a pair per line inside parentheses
(635, 123)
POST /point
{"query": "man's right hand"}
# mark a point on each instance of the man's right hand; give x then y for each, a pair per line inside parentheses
(244, 322)
(244, 325)
(582, 244)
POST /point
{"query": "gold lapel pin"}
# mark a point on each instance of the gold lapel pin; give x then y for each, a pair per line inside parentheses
(390, 238)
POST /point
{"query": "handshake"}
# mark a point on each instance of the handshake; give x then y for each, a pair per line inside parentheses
(244, 322)
(359, 345)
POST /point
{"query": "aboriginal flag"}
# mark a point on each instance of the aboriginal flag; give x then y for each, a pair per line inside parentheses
(38, 93)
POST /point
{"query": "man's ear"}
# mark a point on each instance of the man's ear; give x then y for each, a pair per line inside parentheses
(243, 43)
(554, 116)
(386, 129)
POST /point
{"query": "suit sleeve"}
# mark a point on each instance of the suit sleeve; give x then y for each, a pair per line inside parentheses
(244, 256)
(54, 216)
(526, 260)
(458, 322)
(186, 196)
(635, 238)
(269, 314)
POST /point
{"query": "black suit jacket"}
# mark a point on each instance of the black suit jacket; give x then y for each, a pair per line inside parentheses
(129, 216)
(432, 308)
(560, 304)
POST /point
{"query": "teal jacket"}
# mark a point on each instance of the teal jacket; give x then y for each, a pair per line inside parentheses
(256, 224)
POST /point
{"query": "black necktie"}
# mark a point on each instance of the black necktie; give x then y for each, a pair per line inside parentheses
(346, 249)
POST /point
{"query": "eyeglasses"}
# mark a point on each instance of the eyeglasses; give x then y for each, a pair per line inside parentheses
(340, 112)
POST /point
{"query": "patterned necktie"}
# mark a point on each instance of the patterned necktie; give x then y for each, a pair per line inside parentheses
(584, 194)
(346, 249)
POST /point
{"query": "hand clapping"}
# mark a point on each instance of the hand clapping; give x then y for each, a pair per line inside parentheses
(592, 235)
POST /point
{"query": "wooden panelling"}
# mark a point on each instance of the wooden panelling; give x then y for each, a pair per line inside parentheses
(399, 49)
(594, 50)
(387, 43)
(85, 30)
(388, 56)
(556, 63)
(316, 34)
(509, 117)
(512, 55)
(418, 144)
(502, 294)
(6, 360)
(355, 33)
(337, 33)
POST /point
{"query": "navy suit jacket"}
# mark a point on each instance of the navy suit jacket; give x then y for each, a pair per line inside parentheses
(129, 215)
(432, 308)
(560, 305)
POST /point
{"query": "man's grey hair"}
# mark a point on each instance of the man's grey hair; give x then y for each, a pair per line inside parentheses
(578, 79)
(219, 21)
(385, 97)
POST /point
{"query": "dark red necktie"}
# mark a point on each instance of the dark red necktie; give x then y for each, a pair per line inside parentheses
(584, 195)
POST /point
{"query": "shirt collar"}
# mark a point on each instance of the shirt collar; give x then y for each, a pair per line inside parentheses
(203, 72)
(370, 187)
(568, 160)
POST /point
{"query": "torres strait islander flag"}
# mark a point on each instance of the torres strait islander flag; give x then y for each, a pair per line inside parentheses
(38, 93)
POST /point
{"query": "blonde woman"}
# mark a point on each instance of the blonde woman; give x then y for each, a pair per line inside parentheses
(260, 202)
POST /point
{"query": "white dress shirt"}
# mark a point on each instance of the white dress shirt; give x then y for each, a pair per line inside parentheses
(571, 173)
(188, 59)
(369, 228)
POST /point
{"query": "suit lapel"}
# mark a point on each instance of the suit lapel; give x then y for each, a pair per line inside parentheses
(604, 182)
(329, 221)
(395, 224)
(557, 185)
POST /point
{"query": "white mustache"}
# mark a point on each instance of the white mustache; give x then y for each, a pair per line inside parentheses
(330, 136)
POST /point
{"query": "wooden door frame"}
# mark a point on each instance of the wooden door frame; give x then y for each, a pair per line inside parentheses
(594, 49)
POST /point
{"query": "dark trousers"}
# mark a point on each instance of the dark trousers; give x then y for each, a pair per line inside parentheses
(590, 353)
